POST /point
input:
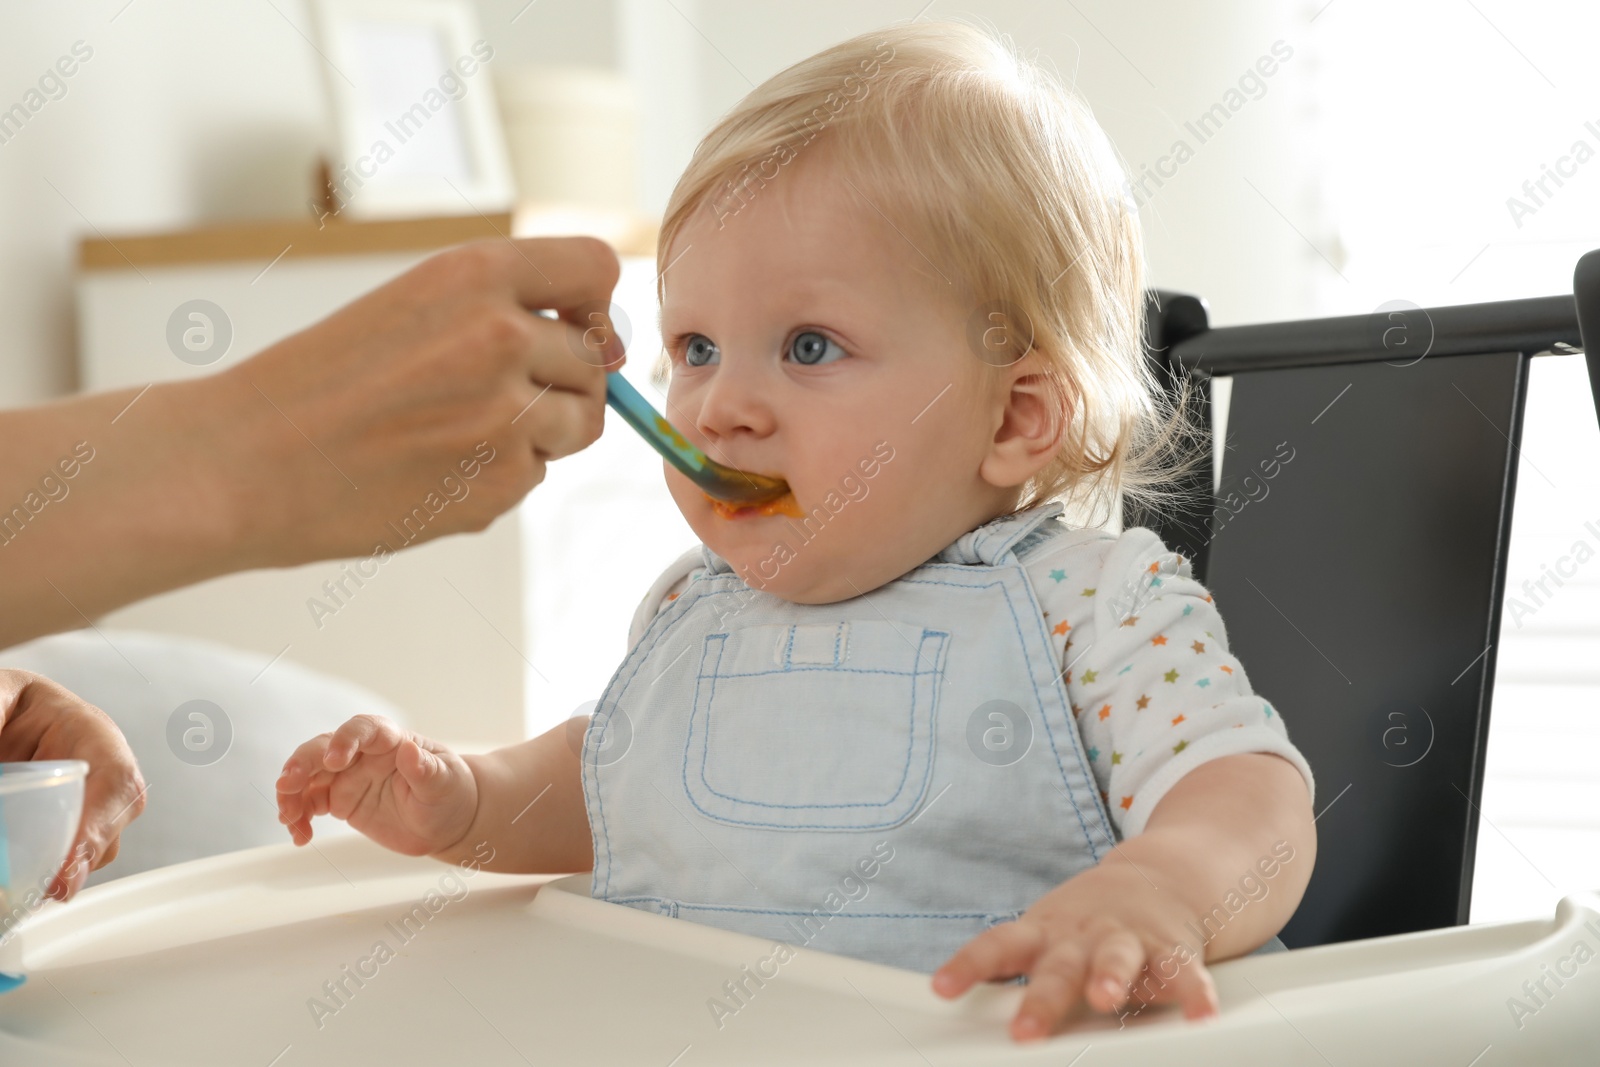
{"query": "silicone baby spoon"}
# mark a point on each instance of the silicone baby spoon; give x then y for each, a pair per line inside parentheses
(719, 481)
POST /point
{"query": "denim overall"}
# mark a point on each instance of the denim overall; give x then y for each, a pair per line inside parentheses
(883, 777)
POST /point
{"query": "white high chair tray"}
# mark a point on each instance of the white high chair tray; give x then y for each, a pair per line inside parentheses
(223, 960)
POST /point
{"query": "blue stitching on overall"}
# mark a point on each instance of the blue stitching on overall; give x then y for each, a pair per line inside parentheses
(807, 773)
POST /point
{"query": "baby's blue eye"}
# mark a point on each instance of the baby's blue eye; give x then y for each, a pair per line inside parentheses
(812, 348)
(699, 351)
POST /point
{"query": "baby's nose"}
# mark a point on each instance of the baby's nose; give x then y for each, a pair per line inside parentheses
(735, 401)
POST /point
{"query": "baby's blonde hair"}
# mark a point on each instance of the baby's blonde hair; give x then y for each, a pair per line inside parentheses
(1004, 182)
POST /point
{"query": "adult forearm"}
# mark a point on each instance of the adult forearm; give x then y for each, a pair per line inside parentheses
(438, 386)
(108, 498)
(1234, 839)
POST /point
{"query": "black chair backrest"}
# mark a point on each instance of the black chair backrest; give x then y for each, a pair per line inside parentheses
(1356, 547)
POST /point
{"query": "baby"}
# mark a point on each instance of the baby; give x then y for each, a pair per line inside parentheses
(910, 714)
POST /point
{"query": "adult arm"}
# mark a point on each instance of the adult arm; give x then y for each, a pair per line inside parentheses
(309, 448)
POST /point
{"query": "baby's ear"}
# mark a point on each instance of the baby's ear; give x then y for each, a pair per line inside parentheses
(1033, 421)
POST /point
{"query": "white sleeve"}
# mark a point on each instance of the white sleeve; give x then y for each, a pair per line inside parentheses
(663, 591)
(1153, 686)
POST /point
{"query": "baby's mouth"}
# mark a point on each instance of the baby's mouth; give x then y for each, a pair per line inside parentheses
(783, 505)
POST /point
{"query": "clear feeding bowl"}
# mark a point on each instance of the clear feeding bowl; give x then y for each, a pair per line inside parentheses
(40, 805)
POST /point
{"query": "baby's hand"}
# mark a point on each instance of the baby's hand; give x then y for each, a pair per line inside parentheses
(402, 790)
(1091, 938)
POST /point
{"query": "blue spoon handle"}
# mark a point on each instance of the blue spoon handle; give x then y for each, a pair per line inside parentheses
(740, 488)
(626, 401)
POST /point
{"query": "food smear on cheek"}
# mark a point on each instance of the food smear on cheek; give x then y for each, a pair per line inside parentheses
(784, 505)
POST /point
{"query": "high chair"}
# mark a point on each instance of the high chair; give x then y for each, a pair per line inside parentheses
(1365, 494)
(1362, 582)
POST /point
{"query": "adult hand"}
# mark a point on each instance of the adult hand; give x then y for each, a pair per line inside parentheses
(39, 720)
(437, 398)
(440, 382)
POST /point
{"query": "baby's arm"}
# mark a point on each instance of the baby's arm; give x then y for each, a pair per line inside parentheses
(1133, 931)
(530, 808)
(414, 795)
(1198, 777)
(1241, 817)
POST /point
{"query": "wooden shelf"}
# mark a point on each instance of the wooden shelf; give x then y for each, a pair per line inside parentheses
(294, 239)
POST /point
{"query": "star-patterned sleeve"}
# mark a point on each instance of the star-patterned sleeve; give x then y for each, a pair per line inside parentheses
(1145, 658)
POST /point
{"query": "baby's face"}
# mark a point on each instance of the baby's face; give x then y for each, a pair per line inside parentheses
(812, 342)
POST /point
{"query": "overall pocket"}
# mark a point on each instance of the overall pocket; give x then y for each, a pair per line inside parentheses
(814, 726)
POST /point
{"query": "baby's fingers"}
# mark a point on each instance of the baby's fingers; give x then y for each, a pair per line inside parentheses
(1118, 958)
(295, 814)
(1054, 986)
(303, 762)
(299, 829)
(430, 776)
(1002, 951)
(363, 733)
(1192, 987)
(299, 770)
(302, 787)
(298, 802)
(1178, 977)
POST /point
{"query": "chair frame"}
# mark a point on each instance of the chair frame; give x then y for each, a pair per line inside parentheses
(1186, 353)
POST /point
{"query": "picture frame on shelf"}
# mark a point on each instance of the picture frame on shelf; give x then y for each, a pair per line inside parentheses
(416, 127)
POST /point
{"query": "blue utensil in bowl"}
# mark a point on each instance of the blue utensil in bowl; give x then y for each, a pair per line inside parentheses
(40, 806)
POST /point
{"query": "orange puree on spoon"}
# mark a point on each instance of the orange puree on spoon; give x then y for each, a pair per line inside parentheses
(784, 505)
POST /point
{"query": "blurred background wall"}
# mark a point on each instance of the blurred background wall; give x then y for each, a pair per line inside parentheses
(1375, 164)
